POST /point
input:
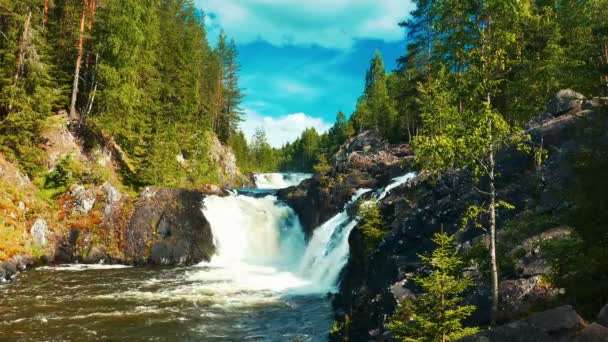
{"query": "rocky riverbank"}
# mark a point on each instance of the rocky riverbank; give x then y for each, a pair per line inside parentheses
(372, 284)
(82, 212)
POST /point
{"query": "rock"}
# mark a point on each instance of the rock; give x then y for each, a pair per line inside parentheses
(559, 324)
(593, 333)
(602, 317)
(168, 228)
(518, 296)
(40, 233)
(565, 101)
(230, 175)
(365, 161)
(83, 200)
(113, 196)
(514, 332)
(560, 321)
(95, 256)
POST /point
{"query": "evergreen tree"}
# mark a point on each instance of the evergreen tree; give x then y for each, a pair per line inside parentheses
(28, 93)
(370, 225)
(375, 109)
(438, 313)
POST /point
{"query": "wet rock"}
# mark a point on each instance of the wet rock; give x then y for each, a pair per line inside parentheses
(65, 247)
(40, 233)
(602, 317)
(593, 333)
(168, 227)
(96, 255)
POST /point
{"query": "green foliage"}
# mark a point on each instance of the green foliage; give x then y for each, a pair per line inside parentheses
(370, 225)
(341, 329)
(67, 172)
(579, 262)
(438, 313)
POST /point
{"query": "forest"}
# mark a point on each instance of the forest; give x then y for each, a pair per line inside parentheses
(141, 73)
(464, 55)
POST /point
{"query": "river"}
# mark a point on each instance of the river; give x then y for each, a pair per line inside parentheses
(266, 283)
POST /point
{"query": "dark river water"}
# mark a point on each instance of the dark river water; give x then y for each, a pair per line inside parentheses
(155, 304)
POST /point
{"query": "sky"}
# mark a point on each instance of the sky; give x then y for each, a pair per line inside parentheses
(302, 61)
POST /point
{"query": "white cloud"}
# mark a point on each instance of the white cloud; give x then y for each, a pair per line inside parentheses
(330, 24)
(282, 129)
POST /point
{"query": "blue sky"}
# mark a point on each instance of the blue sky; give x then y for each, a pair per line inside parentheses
(303, 61)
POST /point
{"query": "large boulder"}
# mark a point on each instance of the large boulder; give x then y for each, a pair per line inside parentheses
(602, 317)
(513, 332)
(593, 333)
(564, 101)
(168, 228)
(558, 324)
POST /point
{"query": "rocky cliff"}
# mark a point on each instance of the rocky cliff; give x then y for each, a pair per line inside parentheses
(82, 212)
(365, 161)
(372, 283)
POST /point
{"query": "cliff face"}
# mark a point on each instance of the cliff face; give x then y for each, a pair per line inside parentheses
(365, 161)
(372, 284)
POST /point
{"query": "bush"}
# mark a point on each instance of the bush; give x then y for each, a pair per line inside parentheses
(66, 172)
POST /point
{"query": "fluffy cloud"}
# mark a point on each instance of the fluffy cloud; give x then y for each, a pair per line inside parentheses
(331, 24)
(282, 129)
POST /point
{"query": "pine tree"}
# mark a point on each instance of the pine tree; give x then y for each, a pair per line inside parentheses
(371, 225)
(438, 313)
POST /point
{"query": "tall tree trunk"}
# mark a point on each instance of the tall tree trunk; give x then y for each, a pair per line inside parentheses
(46, 13)
(91, 17)
(73, 113)
(492, 214)
(22, 46)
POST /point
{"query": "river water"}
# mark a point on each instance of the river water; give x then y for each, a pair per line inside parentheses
(266, 283)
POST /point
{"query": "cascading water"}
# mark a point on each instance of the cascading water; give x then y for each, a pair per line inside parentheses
(279, 180)
(262, 232)
(265, 283)
(328, 249)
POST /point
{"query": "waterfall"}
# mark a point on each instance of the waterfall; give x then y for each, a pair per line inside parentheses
(279, 180)
(261, 246)
(327, 251)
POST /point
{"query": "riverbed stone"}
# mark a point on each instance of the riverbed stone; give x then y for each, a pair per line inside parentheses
(168, 227)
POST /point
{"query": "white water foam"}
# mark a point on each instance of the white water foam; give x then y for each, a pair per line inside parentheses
(262, 253)
(81, 267)
(279, 180)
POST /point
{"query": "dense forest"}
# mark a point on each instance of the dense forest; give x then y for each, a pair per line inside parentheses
(140, 73)
(461, 54)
